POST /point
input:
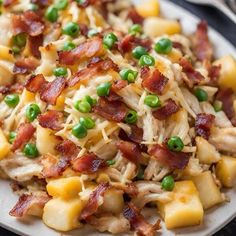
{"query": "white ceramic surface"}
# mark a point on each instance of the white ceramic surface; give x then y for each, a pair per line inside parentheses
(214, 219)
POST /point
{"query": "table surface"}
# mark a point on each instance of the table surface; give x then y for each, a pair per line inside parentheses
(228, 29)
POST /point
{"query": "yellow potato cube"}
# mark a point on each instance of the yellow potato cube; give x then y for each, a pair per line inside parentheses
(4, 145)
(64, 187)
(63, 215)
(185, 209)
(206, 152)
(209, 193)
(226, 171)
(148, 8)
(155, 27)
(27, 97)
(6, 53)
(228, 71)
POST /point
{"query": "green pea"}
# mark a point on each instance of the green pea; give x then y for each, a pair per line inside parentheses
(68, 46)
(83, 106)
(103, 89)
(61, 4)
(129, 75)
(15, 49)
(12, 136)
(60, 71)
(30, 150)
(163, 46)
(135, 29)
(33, 7)
(168, 183)
(140, 175)
(87, 122)
(51, 14)
(79, 131)
(109, 40)
(146, 60)
(80, 2)
(72, 29)
(19, 40)
(92, 33)
(12, 100)
(32, 111)
(201, 95)
(131, 117)
(218, 106)
(175, 144)
(152, 101)
(139, 51)
(110, 162)
(90, 100)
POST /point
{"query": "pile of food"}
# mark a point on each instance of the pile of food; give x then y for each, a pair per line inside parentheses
(107, 109)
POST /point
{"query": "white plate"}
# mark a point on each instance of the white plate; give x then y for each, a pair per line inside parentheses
(214, 219)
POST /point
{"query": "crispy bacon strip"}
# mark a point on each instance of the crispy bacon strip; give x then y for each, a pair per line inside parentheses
(203, 124)
(51, 91)
(154, 81)
(138, 222)
(28, 203)
(167, 110)
(68, 149)
(12, 88)
(118, 85)
(136, 134)
(175, 160)
(130, 151)
(28, 22)
(88, 164)
(25, 65)
(34, 43)
(24, 134)
(93, 202)
(90, 48)
(135, 17)
(201, 43)
(8, 3)
(51, 119)
(35, 83)
(193, 77)
(113, 111)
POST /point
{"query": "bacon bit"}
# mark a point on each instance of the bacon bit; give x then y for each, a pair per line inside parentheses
(138, 222)
(203, 124)
(25, 65)
(83, 29)
(177, 45)
(135, 17)
(88, 164)
(112, 111)
(94, 68)
(136, 134)
(167, 110)
(101, 3)
(117, 85)
(51, 91)
(24, 134)
(68, 149)
(8, 3)
(12, 88)
(28, 202)
(193, 77)
(214, 73)
(154, 81)
(28, 22)
(175, 160)
(93, 202)
(201, 43)
(35, 83)
(113, 96)
(91, 48)
(130, 151)
(51, 120)
(34, 43)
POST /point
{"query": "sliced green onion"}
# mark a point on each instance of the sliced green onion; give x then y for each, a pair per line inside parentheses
(103, 89)
(218, 106)
(201, 95)
(109, 40)
(12, 100)
(152, 101)
(175, 144)
(146, 60)
(30, 150)
(168, 183)
(51, 14)
(139, 51)
(129, 75)
(72, 29)
(79, 131)
(87, 122)
(131, 117)
(163, 46)
(110, 162)
(32, 111)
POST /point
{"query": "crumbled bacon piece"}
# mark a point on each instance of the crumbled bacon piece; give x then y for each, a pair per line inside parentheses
(93, 202)
(167, 110)
(154, 81)
(138, 222)
(135, 17)
(193, 77)
(42, 3)
(113, 96)
(25, 65)
(8, 3)
(117, 85)
(12, 88)
(68, 149)
(113, 111)
(175, 160)
(24, 134)
(130, 151)
(35, 83)
(28, 22)
(88, 164)
(177, 45)
(201, 43)
(28, 202)
(214, 73)
(203, 124)
(51, 119)
(34, 43)
(90, 48)
(83, 29)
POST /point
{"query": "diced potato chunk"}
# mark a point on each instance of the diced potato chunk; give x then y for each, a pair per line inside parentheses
(4, 145)
(27, 97)
(226, 171)
(64, 187)
(63, 215)
(206, 152)
(227, 72)
(113, 201)
(209, 193)
(6, 53)
(155, 27)
(185, 209)
(148, 8)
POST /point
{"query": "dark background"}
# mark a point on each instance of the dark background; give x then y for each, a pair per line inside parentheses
(228, 29)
